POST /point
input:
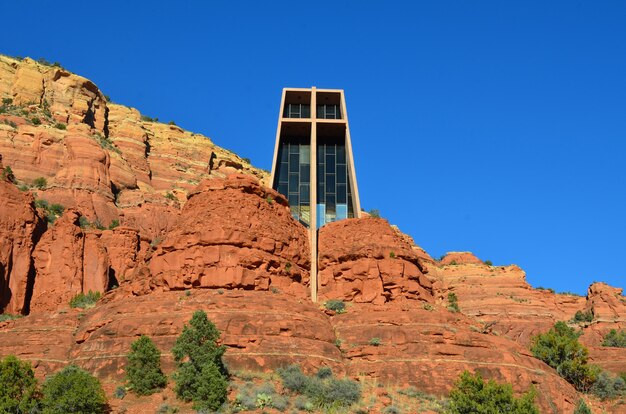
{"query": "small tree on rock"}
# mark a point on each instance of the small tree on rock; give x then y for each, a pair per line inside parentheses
(201, 375)
(144, 367)
(560, 349)
(73, 390)
(18, 386)
(472, 395)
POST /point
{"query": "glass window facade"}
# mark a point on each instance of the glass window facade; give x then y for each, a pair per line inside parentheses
(334, 195)
(293, 176)
(297, 111)
(328, 112)
(334, 198)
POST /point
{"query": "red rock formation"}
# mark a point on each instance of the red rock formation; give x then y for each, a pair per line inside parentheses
(20, 228)
(457, 258)
(234, 233)
(69, 260)
(107, 159)
(356, 265)
(263, 330)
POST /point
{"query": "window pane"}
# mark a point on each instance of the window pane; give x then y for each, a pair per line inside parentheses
(305, 173)
(342, 195)
(321, 152)
(330, 149)
(330, 204)
(341, 154)
(306, 111)
(282, 188)
(283, 174)
(293, 200)
(330, 183)
(305, 154)
(305, 191)
(293, 183)
(341, 173)
(330, 164)
(294, 165)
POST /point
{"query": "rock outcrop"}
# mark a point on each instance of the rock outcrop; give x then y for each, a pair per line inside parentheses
(105, 160)
(425, 348)
(20, 229)
(365, 260)
(234, 233)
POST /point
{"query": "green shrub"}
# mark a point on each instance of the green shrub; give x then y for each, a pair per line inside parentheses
(323, 393)
(335, 305)
(170, 196)
(7, 174)
(374, 341)
(114, 223)
(293, 378)
(146, 118)
(391, 409)
(172, 123)
(608, 387)
(73, 390)
(60, 125)
(82, 300)
(143, 371)
(488, 262)
(581, 316)
(471, 395)
(615, 339)
(40, 183)
(8, 317)
(18, 386)
(7, 101)
(83, 222)
(246, 160)
(453, 302)
(374, 213)
(120, 392)
(201, 375)
(392, 255)
(324, 372)
(581, 408)
(35, 120)
(560, 349)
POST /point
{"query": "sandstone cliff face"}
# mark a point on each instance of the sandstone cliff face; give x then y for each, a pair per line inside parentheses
(97, 157)
(198, 230)
(67, 145)
(20, 229)
(234, 233)
(264, 330)
(365, 260)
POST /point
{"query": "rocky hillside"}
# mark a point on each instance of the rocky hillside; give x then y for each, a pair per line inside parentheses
(95, 197)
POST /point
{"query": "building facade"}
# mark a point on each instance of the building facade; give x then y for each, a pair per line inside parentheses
(313, 164)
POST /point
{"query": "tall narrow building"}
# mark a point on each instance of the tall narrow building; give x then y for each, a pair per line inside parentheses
(313, 165)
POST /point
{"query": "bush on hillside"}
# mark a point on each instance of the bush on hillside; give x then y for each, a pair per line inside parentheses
(615, 339)
(581, 408)
(40, 183)
(608, 386)
(581, 316)
(18, 386)
(471, 395)
(335, 305)
(453, 302)
(201, 376)
(143, 371)
(560, 349)
(73, 390)
(322, 391)
(82, 300)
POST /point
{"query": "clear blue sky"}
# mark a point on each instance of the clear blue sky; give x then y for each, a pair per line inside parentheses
(489, 126)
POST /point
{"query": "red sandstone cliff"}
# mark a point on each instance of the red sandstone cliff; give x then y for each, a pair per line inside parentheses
(193, 217)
